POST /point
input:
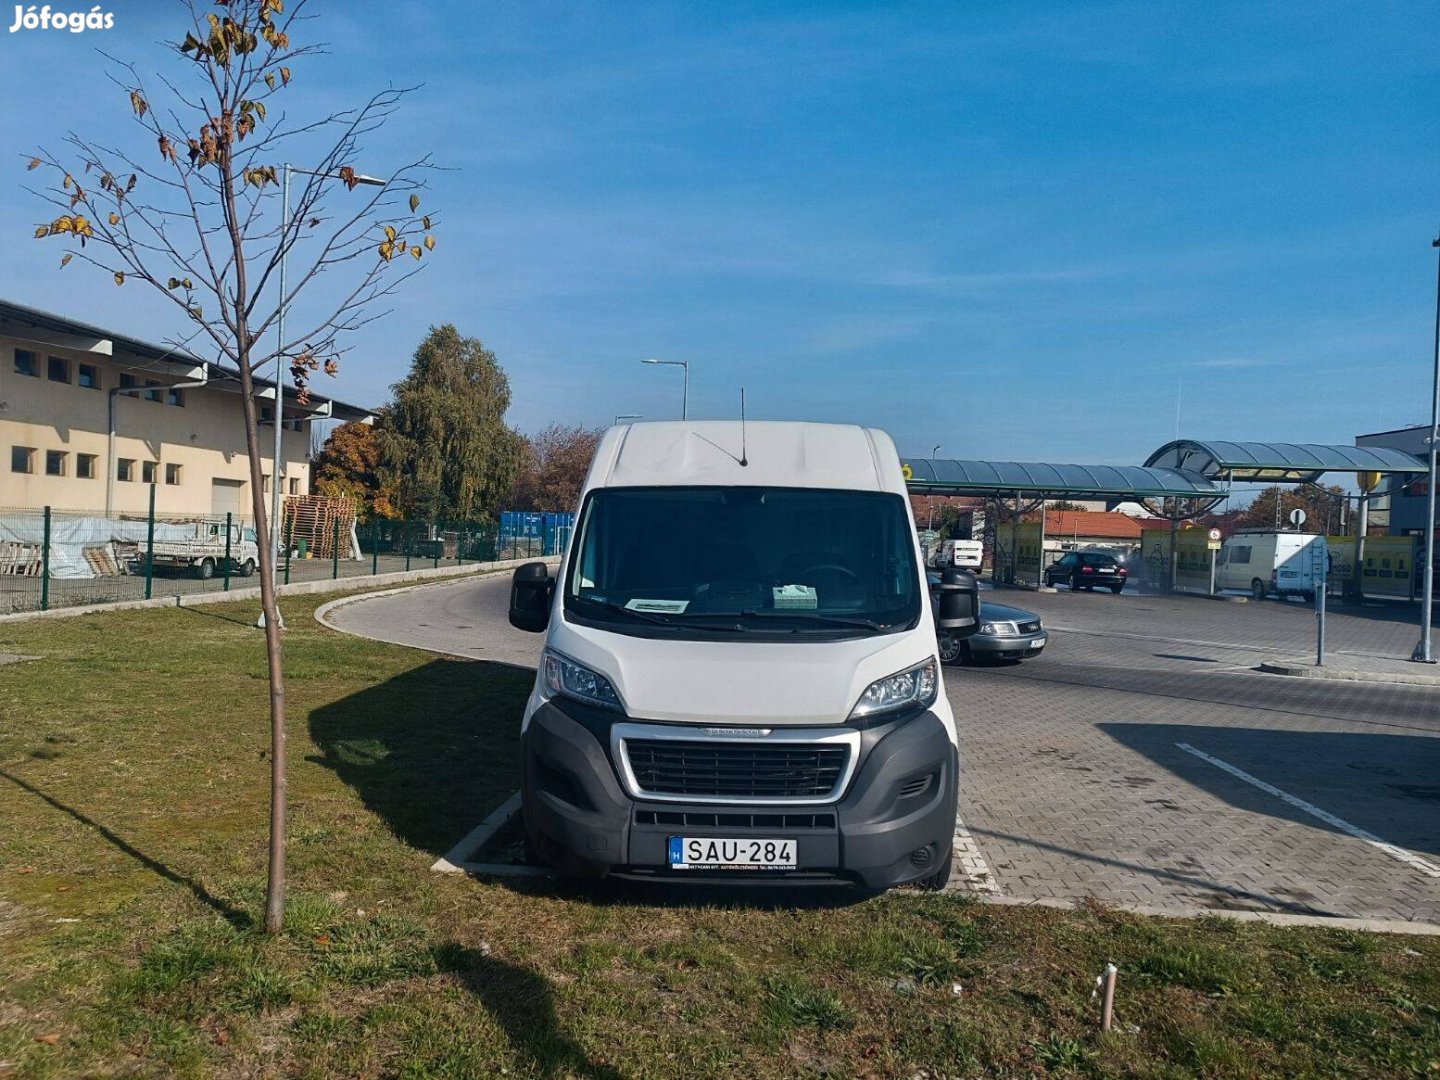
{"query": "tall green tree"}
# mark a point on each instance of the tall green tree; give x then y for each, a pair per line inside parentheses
(446, 445)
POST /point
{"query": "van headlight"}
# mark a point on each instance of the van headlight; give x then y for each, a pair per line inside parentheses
(569, 679)
(917, 685)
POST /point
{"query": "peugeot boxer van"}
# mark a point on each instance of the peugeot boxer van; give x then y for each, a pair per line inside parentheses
(740, 681)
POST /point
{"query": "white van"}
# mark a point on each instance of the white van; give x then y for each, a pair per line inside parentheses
(740, 680)
(1265, 563)
(966, 554)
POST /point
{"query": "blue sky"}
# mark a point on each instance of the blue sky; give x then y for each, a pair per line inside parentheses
(1015, 230)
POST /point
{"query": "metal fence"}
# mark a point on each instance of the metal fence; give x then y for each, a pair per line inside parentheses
(51, 558)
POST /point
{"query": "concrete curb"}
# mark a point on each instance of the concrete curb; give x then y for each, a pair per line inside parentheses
(1302, 670)
(298, 588)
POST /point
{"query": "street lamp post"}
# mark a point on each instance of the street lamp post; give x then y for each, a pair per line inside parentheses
(278, 413)
(931, 500)
(1423, 652)
(685, 400)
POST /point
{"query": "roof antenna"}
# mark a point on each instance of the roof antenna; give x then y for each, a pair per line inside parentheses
(744, 458)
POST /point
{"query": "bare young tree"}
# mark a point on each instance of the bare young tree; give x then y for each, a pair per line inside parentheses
(189, 207)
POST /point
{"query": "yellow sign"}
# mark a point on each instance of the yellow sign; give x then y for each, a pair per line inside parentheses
(1367, 480)
(907, 472)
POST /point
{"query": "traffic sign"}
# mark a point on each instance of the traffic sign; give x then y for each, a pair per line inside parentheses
(1214, 534)
(1297, 517)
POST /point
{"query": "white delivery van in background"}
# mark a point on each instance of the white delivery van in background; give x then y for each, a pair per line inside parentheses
(966, 554)
(1264, 563)
(740, 680)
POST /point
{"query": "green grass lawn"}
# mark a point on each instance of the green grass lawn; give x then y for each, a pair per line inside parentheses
(133, 787)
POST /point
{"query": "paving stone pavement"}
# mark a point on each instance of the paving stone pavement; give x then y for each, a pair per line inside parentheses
(1074, 782)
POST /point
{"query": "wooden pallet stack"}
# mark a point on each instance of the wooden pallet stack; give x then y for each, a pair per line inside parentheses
(21, 559)
(318, 519)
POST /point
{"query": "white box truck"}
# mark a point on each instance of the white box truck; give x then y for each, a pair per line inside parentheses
(1265, 563)
(201, 547)
(740, 681)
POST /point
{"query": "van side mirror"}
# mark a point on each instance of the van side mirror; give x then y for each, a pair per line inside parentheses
(958, 611)
(530, 592)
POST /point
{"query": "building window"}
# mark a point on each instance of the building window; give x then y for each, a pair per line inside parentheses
(22, 459)
(172, 474)
(88, 377)
(26, 362)
(55, 462)
(294, 483)
(265, 484)
(175, 397)
(127, 381)
(85, 466)
(57, 369)
(147, 472)
(152, 395)
(125, 469)
(266, 414)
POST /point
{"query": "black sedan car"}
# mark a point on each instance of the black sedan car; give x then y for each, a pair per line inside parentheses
(1006, 633)
(1087, 570)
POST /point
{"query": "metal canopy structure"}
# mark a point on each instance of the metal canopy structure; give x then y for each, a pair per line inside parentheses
(950, 477)
(1296, 463)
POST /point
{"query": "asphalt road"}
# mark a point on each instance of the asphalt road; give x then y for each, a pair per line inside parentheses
(1140, 760)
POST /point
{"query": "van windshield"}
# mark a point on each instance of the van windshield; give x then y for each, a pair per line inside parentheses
(784, 561)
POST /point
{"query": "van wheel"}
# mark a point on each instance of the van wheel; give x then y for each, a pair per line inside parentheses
(1257, 589)
(951, 648)
(206, 570)
(247, 568)
(941, 877)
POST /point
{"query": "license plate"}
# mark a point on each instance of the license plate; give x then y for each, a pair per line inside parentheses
(1038, 643)
(717, 853)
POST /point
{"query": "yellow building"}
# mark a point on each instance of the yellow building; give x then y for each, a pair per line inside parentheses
(89, 419)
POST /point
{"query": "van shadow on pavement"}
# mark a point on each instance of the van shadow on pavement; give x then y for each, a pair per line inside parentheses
(431, 751)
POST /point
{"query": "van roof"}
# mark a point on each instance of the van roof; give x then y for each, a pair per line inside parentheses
(777, 453)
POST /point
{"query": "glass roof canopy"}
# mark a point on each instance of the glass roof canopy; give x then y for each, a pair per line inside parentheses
(1298, 463)
(949, 477)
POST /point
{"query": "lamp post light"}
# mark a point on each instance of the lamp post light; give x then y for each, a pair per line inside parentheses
(279, 410)
(685, 399)
(1423, 652)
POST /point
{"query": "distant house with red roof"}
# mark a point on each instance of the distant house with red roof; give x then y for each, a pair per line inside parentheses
(1090, 526)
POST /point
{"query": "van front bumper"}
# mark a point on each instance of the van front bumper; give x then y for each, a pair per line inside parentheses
(895, 822)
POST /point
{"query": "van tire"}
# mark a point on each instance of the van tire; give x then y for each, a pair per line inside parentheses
(941, 877)
(1257, 589)
(247, 568)
(206, 570)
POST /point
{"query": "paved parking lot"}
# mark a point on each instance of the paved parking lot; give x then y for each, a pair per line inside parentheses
(1140, 760)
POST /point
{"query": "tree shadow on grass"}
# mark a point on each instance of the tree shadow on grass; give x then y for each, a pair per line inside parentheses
(520, 1001)
(233, 915)
(433, 750)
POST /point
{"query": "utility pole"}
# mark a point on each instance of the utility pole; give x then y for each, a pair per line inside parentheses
(1423, 653)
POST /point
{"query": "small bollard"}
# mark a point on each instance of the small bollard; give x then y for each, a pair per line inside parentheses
(1105, 982)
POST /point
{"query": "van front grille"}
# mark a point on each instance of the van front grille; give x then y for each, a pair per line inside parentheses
(738, 770)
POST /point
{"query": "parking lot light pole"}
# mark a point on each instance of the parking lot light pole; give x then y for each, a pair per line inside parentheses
(685, 399)
(1423, 653)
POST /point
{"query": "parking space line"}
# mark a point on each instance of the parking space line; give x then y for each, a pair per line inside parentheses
(972, 872)
(1409, 858)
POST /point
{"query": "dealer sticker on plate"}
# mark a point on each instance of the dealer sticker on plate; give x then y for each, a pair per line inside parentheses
(716, 853)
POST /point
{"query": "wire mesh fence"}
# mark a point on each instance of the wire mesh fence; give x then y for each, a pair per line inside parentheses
(51, 558)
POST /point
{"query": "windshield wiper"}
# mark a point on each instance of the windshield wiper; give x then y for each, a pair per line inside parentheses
(667, 620)
(816, 617)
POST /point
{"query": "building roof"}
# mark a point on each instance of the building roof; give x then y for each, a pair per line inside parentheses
(757, 454)
(1092, 525)
(14, 318)
(1292, 462)
(951, 477)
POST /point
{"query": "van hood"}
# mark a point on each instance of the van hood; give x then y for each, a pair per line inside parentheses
(735, 682)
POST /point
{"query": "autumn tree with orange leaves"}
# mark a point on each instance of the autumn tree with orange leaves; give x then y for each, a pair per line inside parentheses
(190, 207)
(349, 465)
